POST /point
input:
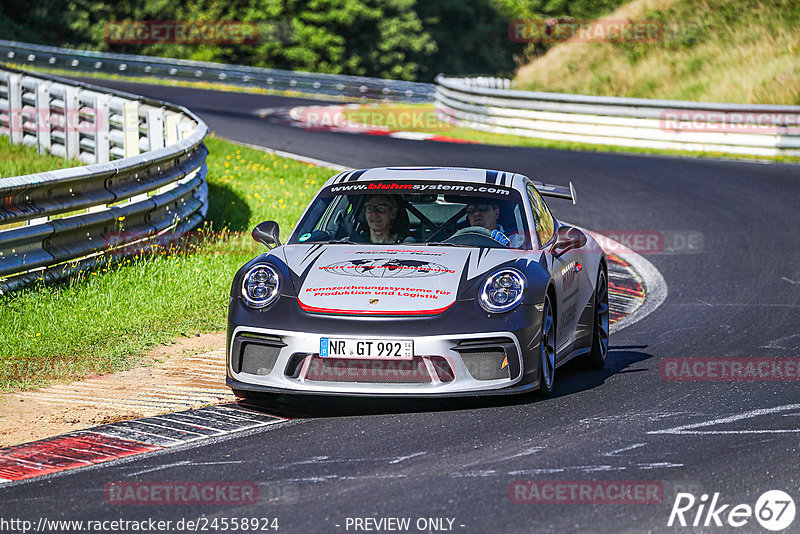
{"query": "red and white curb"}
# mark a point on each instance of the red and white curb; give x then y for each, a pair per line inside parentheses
(332, 119)
(626, 291)
(636, 288)
(115, 441)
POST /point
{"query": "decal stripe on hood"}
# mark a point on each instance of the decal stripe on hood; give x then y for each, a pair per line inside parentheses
(313, 309)
(395, 280)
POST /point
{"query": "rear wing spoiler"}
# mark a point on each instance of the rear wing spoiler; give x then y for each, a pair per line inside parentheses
(557, 191)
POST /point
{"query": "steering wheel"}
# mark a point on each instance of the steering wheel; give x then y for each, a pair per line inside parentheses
(462, 236)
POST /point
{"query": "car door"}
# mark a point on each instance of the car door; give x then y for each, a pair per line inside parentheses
(567, 275)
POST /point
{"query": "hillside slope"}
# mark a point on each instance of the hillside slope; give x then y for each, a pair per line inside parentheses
(711, 51)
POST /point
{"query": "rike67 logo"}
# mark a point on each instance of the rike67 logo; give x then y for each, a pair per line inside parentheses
(774, 510)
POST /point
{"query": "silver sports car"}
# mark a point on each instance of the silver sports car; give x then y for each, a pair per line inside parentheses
(419, 282)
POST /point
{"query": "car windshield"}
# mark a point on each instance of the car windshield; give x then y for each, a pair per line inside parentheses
(449, 213)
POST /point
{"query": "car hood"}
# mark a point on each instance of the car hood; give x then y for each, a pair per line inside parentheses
(380, 280)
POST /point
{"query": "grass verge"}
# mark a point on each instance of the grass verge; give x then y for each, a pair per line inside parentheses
(708, 51)
(423, 118)
(18, 160)
(105, 320)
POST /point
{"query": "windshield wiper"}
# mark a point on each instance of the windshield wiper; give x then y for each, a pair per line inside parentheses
(441, 244)
(343, 241)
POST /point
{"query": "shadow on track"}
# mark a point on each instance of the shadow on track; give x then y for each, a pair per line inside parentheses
(571, 378)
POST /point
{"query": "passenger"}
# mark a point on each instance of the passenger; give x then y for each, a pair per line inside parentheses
(485, 214)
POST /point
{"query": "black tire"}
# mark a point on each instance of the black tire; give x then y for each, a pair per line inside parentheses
(596, 359)
(547, 350)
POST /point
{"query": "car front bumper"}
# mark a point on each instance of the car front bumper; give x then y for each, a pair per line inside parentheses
(285, 361)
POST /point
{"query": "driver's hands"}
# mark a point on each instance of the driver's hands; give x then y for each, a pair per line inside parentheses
(500, 237)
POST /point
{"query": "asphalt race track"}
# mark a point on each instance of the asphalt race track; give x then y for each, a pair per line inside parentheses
(737, 296)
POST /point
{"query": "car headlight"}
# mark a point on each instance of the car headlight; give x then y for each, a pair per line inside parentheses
(502, 291)
(260, 286)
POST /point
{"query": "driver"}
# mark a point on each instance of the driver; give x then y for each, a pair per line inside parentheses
(381, 212)
(484, 214)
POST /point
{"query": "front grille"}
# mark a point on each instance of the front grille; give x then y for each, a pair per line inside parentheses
(368, 371)
(255, 355)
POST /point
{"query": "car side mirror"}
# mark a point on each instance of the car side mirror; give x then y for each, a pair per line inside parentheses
(567, 238)
(268, 233)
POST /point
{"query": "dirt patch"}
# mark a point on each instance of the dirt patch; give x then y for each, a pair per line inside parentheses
(189, 373)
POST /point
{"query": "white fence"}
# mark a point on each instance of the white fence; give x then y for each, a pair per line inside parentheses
(146, 176)
(487, 104)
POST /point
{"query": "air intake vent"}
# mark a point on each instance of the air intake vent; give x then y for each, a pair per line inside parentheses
(256, 355)
(489, 358)
(486, 364)
(443, 369)
(259, 359)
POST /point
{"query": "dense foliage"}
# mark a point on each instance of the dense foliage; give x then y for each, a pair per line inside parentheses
(400, 39)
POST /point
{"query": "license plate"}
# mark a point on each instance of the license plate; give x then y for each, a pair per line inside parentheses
(389, 349)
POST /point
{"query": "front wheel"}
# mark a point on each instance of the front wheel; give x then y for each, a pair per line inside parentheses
(596, 359)
(547, 350)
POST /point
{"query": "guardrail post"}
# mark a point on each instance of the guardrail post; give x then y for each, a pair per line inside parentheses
(72, 118)
(186, 129)
(155, 128)
(4, 109)
(42, 117)
(102, 115)
(171, 124)
(130, 128)
(15, 108)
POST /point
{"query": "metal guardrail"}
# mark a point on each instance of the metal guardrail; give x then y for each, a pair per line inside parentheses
(329, 85)
(146, 176)
(488, 104)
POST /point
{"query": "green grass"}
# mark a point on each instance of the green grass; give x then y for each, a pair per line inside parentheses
(423, 118)
(106, 320)
(18, 160)
(711, 51)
